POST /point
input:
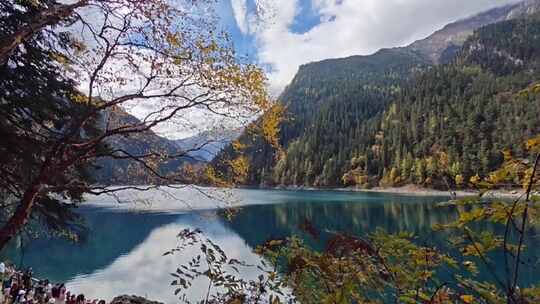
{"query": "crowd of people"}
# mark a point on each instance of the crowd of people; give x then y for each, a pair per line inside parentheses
(21, 288)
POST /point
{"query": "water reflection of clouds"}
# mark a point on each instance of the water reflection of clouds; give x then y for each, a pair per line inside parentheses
(145, 271)
(186, 199)
(180, 199)
(123, 252)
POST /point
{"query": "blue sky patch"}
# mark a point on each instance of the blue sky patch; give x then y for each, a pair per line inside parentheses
(306, 19)
(244, 44)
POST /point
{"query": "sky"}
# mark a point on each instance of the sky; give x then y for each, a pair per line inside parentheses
(281, 35)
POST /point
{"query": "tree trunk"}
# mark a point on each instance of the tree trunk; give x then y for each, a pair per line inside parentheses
(21, 215)
(45, 18)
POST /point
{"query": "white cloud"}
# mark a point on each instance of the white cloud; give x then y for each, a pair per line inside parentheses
(346, 27)
(349, 27)
(128, 72)
(153, 270)
(240, 14)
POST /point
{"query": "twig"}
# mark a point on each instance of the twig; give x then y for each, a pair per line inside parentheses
(523, 226)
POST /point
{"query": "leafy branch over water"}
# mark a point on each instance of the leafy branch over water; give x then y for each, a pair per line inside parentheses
(68, 74)
(399, 268)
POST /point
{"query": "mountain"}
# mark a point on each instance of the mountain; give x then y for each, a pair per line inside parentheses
(453, 122)
(362, 120)
(443, 45)
(361, 86)
(124, 171)
(206, 145)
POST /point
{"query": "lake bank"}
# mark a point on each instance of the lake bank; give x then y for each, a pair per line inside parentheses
(420, 191)
(413, 190)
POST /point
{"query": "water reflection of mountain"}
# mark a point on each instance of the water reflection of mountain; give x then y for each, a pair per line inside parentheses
(123, 244)
(110, 235)
(258, 223)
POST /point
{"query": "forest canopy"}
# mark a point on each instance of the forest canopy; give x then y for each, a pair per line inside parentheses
(393, 119)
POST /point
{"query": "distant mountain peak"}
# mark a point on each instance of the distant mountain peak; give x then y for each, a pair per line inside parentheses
(444, 43)
(438, 48)
(205, 146)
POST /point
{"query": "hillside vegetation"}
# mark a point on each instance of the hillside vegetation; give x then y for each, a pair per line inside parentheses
(392, 118)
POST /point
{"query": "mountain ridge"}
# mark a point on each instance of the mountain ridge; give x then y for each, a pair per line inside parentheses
(455, 33)
(335, 108)
(109, 171)
(205, 146)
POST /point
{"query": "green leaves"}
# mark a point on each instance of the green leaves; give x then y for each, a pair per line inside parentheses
(480, 244)
(223, 274)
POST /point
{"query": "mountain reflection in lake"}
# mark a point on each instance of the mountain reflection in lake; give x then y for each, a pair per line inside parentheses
(123, 251)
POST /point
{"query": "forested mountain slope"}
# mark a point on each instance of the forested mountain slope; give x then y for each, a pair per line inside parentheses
(363, 85)
(392, 118)
(109, 171)
(340, 96)
(455, 120)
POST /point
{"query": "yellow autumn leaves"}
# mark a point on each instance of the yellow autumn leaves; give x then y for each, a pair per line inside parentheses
(533, 144)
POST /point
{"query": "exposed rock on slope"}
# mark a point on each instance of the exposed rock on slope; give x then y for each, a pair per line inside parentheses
(441, 46)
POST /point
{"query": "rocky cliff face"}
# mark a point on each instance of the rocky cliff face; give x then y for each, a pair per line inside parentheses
(442, 46)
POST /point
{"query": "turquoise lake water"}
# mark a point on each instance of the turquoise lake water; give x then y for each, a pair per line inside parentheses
(122, 253)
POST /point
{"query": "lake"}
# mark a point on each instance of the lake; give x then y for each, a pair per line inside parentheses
(122, 253)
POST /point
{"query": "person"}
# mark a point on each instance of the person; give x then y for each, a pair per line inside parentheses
(2, 298)
(2, 272)
(40, 291)
(30, 296)
(7, 289)
(61, 294)
(21, 297)
(72, 299)
(20, 288)
(48, 289)
(14, 291)
(27, 279)
(80, 299)
(55, 292)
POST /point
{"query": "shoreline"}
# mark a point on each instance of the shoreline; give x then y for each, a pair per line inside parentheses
(407, 190)
(413, 190)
